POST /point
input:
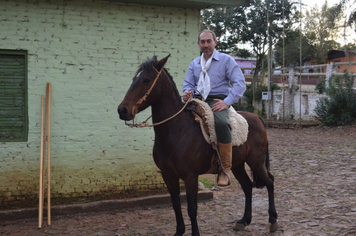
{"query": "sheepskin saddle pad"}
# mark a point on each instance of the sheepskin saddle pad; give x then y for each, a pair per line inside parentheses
(204, 115)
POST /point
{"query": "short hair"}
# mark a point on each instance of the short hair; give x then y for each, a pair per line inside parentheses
(207, 31)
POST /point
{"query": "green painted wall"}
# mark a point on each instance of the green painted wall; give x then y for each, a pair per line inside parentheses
(89, 51)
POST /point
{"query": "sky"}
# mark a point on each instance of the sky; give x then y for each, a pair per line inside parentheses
(310, 3)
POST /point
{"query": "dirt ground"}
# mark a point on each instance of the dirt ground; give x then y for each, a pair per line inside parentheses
(315, 188)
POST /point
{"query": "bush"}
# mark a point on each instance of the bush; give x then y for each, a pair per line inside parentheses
(339, 107)
(245, 103)
(320, 86)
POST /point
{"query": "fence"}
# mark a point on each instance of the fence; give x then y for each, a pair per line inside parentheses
(297, 97)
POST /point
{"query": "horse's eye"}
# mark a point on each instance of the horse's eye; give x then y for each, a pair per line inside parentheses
(146, 81)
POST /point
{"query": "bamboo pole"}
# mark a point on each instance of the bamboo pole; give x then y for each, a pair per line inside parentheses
(40, 195)
(48, 97)
(45, 138)
(44, 147)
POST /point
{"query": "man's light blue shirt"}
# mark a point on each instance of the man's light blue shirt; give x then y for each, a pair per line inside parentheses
(226, 77)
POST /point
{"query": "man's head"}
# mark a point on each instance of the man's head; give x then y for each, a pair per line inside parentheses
(207, 42)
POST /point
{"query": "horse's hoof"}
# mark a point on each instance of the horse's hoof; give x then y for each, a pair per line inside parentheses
(238, 226)
(273, 227)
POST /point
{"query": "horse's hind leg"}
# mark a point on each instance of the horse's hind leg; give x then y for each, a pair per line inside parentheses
(246, 185)
(174, 190)
(265, 178)
(272, 208)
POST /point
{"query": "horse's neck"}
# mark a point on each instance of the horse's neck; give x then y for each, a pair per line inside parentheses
(168, 105)
(165, 108)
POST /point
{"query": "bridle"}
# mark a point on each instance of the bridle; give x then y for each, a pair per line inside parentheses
(134, 110)
(144, 97)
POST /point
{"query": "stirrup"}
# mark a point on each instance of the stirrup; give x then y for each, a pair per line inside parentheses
(228, 177)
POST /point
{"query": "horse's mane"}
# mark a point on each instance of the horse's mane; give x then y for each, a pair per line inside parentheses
(149, 67)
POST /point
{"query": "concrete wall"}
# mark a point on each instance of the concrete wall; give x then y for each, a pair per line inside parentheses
(89, 51)
(292, 107)
(293, 102)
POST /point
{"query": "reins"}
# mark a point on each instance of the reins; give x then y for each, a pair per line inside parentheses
(144, 97)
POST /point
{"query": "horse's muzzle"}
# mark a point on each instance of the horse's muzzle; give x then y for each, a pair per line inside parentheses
(124, 113)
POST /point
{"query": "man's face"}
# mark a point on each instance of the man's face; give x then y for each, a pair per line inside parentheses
(207, 44)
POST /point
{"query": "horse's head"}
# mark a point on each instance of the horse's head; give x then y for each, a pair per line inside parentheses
(143, 91)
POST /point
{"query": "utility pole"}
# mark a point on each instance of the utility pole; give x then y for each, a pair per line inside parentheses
(269, 61)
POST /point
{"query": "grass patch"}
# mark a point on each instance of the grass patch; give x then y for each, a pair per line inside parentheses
(207, 183)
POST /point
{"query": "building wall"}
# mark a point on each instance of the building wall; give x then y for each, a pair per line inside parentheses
(341, 69)
(246, 63)
(89, 51)
(297, 105)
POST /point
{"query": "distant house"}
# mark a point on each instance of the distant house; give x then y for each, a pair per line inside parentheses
(340, 56)
(246, 64)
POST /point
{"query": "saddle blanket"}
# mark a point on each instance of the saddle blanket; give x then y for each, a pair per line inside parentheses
(239, 125)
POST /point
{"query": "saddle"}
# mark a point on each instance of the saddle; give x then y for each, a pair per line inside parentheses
(204, 116)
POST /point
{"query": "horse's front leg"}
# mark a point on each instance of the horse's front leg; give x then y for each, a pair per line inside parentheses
(172, 183)
(246, 185)
(191, 186)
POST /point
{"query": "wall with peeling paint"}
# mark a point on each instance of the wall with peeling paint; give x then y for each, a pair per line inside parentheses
(89, 51)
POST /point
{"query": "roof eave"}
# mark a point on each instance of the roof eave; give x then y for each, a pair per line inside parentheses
(192, 4)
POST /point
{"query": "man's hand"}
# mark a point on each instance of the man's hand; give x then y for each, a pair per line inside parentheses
(220, 105)
(187, 95)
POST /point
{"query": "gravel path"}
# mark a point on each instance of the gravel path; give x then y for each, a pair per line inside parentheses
(315, 188)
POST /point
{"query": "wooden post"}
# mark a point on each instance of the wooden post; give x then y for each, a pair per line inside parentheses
(40, 195)
(45, 138)
(48, 97)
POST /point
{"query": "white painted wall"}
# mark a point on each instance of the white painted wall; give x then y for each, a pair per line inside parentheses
(89, 51)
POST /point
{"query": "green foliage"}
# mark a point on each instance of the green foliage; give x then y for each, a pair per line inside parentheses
(220, 20)
(242, 53)
(320, 86)
(339, 107)
(352, 20)
(248, 25)
(317, 38)
(246, 102)
(321, 30)
(292, 50)
(275, 87)
(349, 47)
(259, 25)
(346, 9)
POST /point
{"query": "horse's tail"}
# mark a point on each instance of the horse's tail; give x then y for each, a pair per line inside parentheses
(257, 182)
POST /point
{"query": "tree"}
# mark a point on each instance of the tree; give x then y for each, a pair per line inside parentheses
(257, 25)
(349, 47)
(346, 10)
(321, 30)
(219, 20)
(292, 50)
(352, 20)
(255, 30)
(319, 34)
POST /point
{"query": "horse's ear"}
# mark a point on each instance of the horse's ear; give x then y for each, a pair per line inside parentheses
(159, 65)
(154, 58)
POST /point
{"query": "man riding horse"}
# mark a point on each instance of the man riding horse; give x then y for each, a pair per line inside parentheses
(221, 83)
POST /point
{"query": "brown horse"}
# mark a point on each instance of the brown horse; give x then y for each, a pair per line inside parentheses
(181, 152)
